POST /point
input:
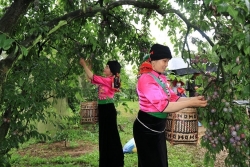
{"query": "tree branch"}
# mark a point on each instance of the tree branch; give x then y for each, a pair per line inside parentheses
(184, 43)
(183, 18)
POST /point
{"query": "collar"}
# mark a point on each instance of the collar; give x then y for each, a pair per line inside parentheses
(157, 74)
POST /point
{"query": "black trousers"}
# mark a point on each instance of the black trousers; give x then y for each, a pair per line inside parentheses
(110, 147)
(151, 146)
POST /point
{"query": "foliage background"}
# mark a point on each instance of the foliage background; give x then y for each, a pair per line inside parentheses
(42, 41)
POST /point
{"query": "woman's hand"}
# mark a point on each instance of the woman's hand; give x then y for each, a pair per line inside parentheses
(198, 101)
(87, 70)
(201, 97)
(82, 62)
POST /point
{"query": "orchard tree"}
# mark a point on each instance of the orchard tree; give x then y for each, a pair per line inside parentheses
(41, 41)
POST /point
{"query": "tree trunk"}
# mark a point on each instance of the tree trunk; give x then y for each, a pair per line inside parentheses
(10, 19)
(4, 128)
(7, 25)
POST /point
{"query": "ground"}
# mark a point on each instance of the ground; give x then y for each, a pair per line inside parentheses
(58, 149)
(64, 148)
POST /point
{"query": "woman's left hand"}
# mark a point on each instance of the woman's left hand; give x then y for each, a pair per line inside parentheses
(201, 97)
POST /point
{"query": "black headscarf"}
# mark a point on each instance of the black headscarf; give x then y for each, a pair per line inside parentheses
(114, 67)
(158, 52)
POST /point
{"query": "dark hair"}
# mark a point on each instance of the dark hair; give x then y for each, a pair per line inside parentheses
(115, 68)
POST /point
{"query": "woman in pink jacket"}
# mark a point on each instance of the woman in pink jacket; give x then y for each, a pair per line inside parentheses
(110, 147)
(156, 99)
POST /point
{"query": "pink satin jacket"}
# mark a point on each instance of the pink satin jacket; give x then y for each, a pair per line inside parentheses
(152, 97)
(105, 90)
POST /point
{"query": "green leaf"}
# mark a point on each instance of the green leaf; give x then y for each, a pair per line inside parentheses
(21, 81)
(94, 46)
(236, 69)
(248, 5)
(247, 37)
(137, 19)
(32, 30)
(2, 39)
(36, 41)
(246, 90)
(60, 24)
(232, 12)
(24, 51)
(7, 43)
(247, 50)
(239, 44)
(207, 2)
(224, 54)
(222, 7)
(16, 49)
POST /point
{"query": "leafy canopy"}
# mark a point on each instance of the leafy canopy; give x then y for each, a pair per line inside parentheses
(41, 41)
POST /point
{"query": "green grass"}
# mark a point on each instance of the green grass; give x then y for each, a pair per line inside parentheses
(179, 155)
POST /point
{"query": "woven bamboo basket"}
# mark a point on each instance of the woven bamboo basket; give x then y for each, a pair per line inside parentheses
(182, 127)
(89, 112)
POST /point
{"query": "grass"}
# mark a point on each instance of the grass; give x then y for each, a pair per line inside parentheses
(179, 155)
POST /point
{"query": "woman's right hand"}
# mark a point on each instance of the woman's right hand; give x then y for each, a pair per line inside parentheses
(82, 62)
(87, 70)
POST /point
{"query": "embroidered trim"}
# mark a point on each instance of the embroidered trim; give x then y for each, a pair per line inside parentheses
(161, 83)
(156, 131)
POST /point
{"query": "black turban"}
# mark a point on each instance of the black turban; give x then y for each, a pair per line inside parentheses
(114, 67)
(158, 52)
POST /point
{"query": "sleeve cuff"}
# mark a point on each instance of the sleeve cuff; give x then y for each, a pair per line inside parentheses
(178, 98)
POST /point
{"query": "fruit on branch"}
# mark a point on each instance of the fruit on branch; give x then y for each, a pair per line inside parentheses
(192, 61)
(36, 2)
(242, 136)
(238, 60)
(225, 109)
(204, 60)
(232, 140)
(239, 73)
(237, 138)
(36, 8)
(232, 128)
(237, 127)
(234, 133)
(36, 5)
(229, 90)
(213, 110)
(193, 41)
(208, 98)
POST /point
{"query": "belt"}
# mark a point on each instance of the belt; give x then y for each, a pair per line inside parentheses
(156, 131)
(105, 101)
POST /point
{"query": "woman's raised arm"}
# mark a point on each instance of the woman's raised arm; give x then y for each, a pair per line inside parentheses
(87, 70)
